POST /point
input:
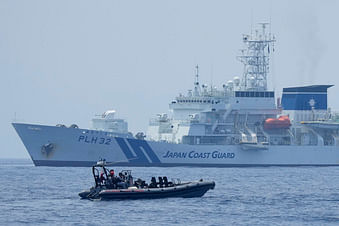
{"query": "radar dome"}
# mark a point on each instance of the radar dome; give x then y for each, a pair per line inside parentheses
(252, 81)
(236, 80)
(230, 83)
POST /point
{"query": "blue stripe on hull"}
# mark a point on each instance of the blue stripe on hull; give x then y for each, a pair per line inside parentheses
(137, 146)
(140, 158)
(134, 164)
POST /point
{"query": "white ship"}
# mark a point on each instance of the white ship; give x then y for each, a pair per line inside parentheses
(242, 124)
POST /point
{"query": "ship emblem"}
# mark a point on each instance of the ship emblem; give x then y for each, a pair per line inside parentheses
(312, 102)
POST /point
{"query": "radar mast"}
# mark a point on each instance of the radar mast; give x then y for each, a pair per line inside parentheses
(255, 58)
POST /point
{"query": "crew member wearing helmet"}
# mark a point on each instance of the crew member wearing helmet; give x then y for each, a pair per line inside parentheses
(111, 173)
(102, 178)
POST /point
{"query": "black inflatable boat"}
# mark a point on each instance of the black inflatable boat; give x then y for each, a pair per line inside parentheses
(109, 186)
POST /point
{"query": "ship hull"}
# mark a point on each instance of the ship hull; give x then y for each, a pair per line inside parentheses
(59, 146)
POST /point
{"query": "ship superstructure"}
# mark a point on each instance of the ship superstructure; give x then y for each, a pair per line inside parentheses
(240, 124)
(232, 115)
(108, 122)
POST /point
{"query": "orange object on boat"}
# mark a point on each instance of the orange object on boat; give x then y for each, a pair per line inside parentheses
(283, 122)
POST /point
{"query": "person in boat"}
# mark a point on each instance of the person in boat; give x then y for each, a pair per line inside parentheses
(112, 179)
(139, 183)
(102, 178)
(121, 176)
(115, 181)
(111, 173)
(112, 176)
(121, 181)
(129, 180)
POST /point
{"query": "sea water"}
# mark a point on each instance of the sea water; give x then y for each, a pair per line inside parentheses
(242, 196)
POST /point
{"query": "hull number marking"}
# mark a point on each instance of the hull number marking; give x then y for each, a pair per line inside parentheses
(94, 140)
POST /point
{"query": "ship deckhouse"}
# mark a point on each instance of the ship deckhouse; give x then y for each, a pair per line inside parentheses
(228, 115)
(244, 111)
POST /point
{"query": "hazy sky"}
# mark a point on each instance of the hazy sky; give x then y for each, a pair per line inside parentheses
(65, 61)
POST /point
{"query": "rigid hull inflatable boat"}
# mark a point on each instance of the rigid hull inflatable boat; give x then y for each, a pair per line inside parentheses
(110, 187)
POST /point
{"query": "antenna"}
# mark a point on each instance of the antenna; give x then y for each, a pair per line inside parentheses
(211, 86)
(212, 73)
(251, 22)
(255, 58)
(196, 75)
(263, 26)
(270, 18)
(196, 83)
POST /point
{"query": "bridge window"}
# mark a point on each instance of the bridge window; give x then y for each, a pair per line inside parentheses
(253, 94)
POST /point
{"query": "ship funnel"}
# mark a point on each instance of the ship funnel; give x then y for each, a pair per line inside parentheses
(305, 98)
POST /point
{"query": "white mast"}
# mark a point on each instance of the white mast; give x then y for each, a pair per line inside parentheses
(256, 59)
(196, 82)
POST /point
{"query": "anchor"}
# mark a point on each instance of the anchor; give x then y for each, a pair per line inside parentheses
(46, 149)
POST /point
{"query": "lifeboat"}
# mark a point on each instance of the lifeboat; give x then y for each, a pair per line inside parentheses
(283, 122)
